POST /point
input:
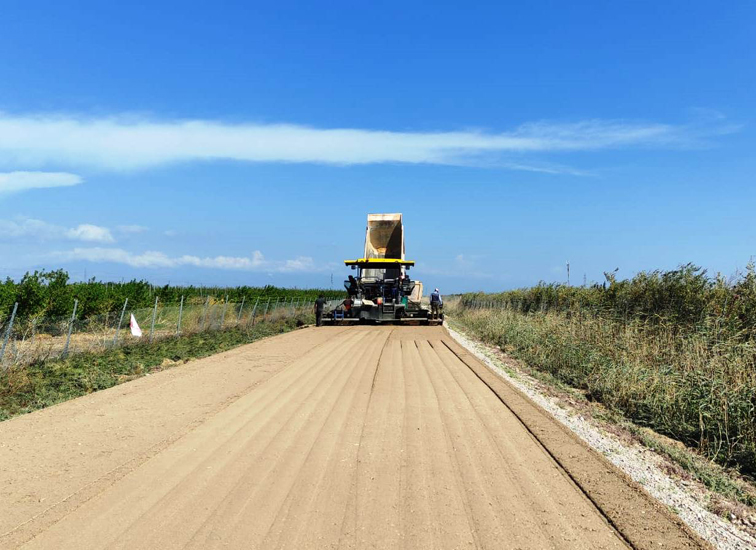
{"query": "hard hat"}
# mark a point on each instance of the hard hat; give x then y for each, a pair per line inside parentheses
(436, 290)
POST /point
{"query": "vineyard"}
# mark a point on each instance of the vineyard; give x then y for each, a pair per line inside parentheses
(43, 316)
(51, 294)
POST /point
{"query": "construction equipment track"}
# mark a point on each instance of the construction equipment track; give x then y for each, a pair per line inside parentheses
(350, 437)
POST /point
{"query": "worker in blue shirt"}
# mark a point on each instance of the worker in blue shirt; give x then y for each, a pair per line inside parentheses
(436, 304)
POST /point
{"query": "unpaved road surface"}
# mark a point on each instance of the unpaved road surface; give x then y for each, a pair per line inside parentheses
(348, 437)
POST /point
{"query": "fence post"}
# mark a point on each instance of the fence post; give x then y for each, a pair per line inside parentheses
(181, 312)
(34, 333)
(120, 321)
(8, 331)
(154, 314)
(204, 313)
(292, 306)
(223, 316)
(241, 308)
(254, 313)
(70, 328)
(266, 308)
(211, 314)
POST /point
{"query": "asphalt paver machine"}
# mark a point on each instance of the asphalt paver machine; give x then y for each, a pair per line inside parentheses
(382, 290)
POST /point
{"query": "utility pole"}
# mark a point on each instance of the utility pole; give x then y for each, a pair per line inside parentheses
(568, 273)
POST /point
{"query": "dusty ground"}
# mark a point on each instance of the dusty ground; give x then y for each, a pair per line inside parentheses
(347, 437)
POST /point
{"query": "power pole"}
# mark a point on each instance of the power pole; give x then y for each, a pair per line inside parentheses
(568, 273)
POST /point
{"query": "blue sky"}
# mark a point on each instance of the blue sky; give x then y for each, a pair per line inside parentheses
(244, 143)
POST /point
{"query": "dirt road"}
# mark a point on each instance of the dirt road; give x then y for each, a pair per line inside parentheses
(338, 437)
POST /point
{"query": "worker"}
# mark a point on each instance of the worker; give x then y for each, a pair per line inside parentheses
(354, 287)
(319, 305)
(436, 304)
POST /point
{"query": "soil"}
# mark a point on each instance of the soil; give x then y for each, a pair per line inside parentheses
(350, 437)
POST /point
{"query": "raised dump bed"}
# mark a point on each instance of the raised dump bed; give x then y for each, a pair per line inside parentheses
(384, 238)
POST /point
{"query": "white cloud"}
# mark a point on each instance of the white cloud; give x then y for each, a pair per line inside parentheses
(90, 233)
(301, 263)
(118, 143)
(38, 229)
(462, 260)
(21, 181)
(28, 228)
(152, 259)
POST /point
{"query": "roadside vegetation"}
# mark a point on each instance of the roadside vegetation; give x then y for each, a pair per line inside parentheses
(674, 351)
(46, 383)
(52, 294)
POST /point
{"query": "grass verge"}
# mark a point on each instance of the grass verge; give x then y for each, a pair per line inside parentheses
(661, 389)
(33, 387)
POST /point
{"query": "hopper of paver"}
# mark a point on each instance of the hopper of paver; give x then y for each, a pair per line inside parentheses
(384, 238)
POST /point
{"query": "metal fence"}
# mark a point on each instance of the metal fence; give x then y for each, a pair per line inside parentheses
(28, 340)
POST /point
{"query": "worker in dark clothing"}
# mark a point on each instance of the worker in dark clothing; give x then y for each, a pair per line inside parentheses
(319, 305)
(353, 288)
(436, 304)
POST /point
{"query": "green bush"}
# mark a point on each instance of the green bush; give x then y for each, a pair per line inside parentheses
(684, 298)
(674, 351)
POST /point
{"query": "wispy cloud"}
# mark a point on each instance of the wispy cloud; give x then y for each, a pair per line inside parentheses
(153, 259)
(131, 229)
(11, 182)
(462, 265)
(121, 143)
(41, 230)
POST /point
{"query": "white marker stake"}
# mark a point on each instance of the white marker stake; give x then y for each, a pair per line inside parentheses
(135, 330)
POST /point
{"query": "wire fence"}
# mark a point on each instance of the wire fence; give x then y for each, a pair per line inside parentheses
(34, 339)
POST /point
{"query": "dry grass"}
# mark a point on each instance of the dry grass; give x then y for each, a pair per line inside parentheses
(692, 386)
(25, 388)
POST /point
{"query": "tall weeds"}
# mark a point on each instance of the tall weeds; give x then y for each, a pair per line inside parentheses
(685, 299)
(674, 351)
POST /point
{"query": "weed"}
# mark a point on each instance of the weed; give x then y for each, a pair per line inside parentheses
(689, 385)
(28, 388)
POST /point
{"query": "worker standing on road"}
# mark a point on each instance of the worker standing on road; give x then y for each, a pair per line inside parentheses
(319, 305)
(436, 304)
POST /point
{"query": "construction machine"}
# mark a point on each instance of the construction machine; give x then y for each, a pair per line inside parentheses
(382, 291)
